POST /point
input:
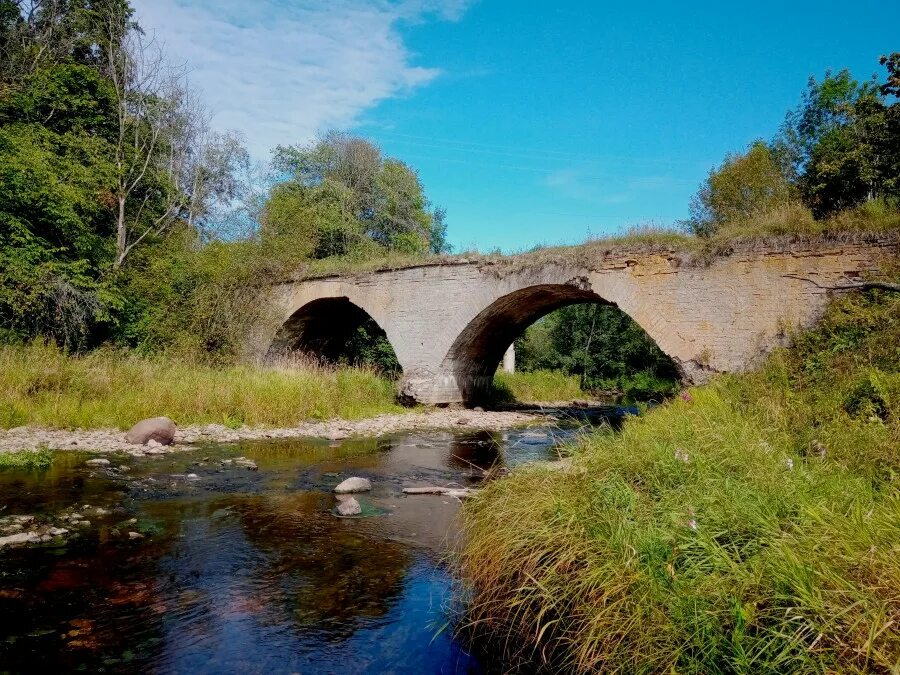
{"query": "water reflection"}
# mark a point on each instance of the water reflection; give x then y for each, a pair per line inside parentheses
(193, 565)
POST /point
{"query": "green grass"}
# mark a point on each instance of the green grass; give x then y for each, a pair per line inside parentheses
(40, 385)
(538, 386)
(751, 526)
(29, 460)
(544, 386)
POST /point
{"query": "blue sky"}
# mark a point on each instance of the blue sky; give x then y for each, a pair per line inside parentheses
(530, 122)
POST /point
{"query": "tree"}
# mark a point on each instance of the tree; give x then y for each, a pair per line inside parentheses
(840, 139)
(743, 186)
(602, 345)
(170, 167)
(383, 196)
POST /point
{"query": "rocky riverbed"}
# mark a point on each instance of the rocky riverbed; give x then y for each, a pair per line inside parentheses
(113, 440)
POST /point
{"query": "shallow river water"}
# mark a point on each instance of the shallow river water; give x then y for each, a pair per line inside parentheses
(185, 563)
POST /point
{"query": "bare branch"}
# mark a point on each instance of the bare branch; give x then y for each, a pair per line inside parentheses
(855, 286)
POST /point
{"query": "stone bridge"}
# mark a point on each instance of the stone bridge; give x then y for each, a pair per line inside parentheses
(450, 321)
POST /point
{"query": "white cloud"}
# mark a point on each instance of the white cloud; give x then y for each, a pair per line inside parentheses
(281, 70)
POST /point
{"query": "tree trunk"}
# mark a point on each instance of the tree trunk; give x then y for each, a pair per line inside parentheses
(121, 235)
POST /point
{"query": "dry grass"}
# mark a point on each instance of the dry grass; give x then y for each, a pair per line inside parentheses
(41, 385)
(786, 227)
(750, 526)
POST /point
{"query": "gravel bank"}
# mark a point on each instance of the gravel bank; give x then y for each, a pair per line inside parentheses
(113, 440)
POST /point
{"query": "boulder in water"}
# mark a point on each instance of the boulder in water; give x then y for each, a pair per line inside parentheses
(159, 429)
(354, 484)
(349, 507)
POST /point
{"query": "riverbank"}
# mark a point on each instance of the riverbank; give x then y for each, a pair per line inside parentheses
(45, 388)
(749, 525)
(40, 385)
(28, 438)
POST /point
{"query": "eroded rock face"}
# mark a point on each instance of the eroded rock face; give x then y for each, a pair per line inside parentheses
(354, 484)
(349, 507)
(159, 429)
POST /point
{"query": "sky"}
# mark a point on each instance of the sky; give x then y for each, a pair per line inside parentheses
(530, 122)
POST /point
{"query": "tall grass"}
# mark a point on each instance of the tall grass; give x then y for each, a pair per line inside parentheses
(752, 525)
(41, 385)
(794, 219)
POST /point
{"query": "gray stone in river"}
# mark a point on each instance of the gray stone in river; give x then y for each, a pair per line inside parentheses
(20, 538)
(159, 429)
(99, 461)
(349, 507)
(353, 484)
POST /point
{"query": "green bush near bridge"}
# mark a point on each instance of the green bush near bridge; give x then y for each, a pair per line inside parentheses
(751, 525)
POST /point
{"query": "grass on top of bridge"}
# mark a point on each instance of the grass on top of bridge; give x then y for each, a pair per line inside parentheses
(751, 525)
(788, 225)
(41, 385)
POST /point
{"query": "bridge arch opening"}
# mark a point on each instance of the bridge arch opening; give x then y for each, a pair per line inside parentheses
(477, 352)
(336, 331)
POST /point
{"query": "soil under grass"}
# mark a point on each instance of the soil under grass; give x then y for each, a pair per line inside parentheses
(751, 525)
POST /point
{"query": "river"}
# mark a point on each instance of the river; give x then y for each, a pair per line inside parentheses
(189, 563)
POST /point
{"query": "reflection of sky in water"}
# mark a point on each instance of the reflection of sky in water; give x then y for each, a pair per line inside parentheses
(247, 571)
(238, 606)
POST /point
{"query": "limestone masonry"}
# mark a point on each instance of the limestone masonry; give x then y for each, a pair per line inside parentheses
(450, 323)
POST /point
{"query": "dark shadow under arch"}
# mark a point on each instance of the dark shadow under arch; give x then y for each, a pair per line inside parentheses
(335, 331)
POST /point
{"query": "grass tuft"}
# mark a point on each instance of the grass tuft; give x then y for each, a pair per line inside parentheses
(27, 460)
(751, 525)
(41, 385)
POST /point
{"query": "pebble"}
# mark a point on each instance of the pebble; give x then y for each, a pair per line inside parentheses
(99, 461)
(135, 535)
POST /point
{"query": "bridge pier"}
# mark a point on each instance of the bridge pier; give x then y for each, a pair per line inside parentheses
(429, 387)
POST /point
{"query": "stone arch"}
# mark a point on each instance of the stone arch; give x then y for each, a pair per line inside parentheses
(478, 349)
(322, 327)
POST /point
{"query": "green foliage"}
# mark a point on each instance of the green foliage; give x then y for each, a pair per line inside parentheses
(54, 233)
(341, 194)
(839, 149)
(536, 386)
(748, 527)
(745, 185)
(26, 460)
(369, 347)
(603, 347)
